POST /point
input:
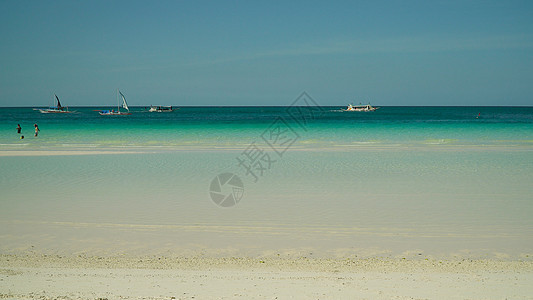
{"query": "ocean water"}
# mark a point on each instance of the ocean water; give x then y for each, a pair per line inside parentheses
(430, 180)
(222, 126)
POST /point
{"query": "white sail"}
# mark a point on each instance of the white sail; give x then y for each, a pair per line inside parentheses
(124, 103)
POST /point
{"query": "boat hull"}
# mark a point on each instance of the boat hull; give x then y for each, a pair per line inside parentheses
(115, 114)
(47, 111)
(171, 110)
(372, 109)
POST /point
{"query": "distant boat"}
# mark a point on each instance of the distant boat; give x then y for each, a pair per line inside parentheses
(58, 109)
(117, 112)
(161, 109)
(360, 107)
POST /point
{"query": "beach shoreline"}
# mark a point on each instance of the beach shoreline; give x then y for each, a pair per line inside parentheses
(165, 277)
(13, 151)
(430, 203)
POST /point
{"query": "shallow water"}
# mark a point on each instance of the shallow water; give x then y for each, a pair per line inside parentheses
(430, 180)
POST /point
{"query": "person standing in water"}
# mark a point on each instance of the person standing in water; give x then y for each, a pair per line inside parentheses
(36, 129)
(18, 128)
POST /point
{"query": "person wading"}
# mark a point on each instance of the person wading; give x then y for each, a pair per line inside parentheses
(36, 129)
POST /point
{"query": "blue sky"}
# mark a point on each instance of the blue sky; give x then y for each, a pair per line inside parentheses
(266, 52)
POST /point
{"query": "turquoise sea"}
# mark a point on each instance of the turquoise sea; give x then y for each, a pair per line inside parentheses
(221, 126)
(315, 181)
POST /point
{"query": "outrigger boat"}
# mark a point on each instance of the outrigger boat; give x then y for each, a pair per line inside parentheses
(117, 112)
(58, 109)
(161, 109)
(361, 107)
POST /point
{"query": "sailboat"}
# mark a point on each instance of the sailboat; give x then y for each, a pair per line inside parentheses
(58, 109)
(117, 112)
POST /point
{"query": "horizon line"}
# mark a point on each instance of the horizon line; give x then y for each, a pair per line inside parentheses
(93, 106)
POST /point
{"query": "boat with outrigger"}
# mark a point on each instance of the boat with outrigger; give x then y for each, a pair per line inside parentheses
(58, 109)
(360, 107)
(117, 112)
(161, 109)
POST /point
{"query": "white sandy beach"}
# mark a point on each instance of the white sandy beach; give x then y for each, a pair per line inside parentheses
(82, 277)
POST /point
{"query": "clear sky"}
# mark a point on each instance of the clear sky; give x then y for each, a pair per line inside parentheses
(266, 52)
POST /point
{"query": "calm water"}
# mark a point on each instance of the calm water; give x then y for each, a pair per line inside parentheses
(427, 179)
(208, 126)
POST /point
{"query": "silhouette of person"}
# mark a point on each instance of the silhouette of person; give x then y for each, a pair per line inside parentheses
(36, 129)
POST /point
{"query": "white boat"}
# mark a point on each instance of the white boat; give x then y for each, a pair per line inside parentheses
(366, 107)
(58, 109)
(161, 109)
(117, 112)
